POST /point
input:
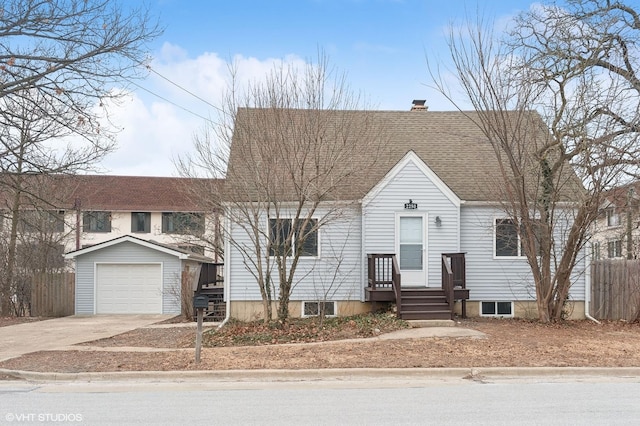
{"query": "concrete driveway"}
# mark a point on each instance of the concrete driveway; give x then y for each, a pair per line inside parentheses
(20, 339)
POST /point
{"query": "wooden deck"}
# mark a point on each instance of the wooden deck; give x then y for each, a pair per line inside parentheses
(384, 285)
(211, 284)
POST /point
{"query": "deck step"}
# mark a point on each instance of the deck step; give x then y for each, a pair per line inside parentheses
(426, 315)
(424, 304)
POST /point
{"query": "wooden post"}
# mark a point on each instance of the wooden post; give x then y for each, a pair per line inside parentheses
(199, 335)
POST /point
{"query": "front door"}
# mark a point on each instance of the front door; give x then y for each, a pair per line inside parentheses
(411, 249)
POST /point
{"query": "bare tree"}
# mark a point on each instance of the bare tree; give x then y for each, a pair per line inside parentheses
(558, 117)
(290, 143)
(33, 236)
(60, 60)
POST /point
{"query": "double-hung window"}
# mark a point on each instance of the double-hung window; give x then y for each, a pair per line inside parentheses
(183, 223)
(507, 239)
(509, 242)
(141, 222)
(613, 218)
(33, 221)
(96, 221)
(614, 249)
(281, 240)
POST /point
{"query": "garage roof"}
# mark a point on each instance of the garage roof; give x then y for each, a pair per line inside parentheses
(165, 248)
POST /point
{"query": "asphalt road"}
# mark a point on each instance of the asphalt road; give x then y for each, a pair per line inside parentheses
(446, 401)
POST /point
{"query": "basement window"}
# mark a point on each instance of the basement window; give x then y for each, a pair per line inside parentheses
(496, 309)
(314, 309)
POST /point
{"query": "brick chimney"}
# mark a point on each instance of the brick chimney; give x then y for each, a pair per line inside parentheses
(419, 105)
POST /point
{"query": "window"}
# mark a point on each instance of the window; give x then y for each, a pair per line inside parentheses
(613, 218)
(183, 223)
(508, 240)
(497, 309)
(614, 249)
(596, 251)
(32, 221)
(40, 255)
(280, 230)
(140, 222)
(96, 221)
(314, 309)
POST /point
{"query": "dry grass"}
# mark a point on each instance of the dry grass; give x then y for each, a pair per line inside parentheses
(508, 343)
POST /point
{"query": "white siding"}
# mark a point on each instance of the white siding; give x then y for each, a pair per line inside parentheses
(121, 225)
(334, 275)
(508, 279)
(380, 216)
(127, 252)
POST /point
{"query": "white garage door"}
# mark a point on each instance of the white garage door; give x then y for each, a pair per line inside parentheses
(128, 289)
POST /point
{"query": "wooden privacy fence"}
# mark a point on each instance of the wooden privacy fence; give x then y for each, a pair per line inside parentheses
(615, 289)
(53, 295)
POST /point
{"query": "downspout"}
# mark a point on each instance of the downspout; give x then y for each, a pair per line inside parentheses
(587, 288)
(77, 206)
(227, 278)
(363, 256)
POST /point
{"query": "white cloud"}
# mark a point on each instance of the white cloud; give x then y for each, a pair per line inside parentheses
(155, 131)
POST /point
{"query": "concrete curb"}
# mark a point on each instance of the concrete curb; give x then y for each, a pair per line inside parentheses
(330, 374)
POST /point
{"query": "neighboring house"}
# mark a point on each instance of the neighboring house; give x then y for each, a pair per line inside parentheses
(618, 225)
(164, 209)
(85, 210)
(131, 237)
(433, 192)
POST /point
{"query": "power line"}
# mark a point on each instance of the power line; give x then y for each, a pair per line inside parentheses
(182, 88)
(171, 102)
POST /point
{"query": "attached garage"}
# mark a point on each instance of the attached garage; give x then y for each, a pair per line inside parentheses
(129, 275)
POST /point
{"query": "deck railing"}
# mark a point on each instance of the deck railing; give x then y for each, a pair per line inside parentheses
(384, 273)
(458, 267)
(380, 270)
(454, 269)
(447, 280)
(210, 284)
(384, 278)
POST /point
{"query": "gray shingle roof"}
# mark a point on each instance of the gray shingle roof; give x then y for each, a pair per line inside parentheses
(449, 142)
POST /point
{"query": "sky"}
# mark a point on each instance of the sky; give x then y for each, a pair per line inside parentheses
(381, 45)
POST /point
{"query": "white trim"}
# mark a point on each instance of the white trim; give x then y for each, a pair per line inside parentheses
(614, 240)
(501, 204)
(425, 238)
(126, 238)
(95, 281)
(495, 256)
(318, 255)
(497, 315)
(363, 257)
(335, 308)
(411, 157)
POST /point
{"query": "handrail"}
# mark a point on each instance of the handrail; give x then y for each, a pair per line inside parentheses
(447, 281)
(458, 267)
(396, 284)
(210, 274)
(380, 270)
(384, 273)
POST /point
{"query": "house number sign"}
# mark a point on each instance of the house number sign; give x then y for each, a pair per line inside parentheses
(410, 205)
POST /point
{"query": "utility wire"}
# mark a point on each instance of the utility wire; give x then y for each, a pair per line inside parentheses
(171, 102)
(182, 88)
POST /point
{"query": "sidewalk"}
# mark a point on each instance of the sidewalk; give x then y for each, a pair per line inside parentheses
(342, 374)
